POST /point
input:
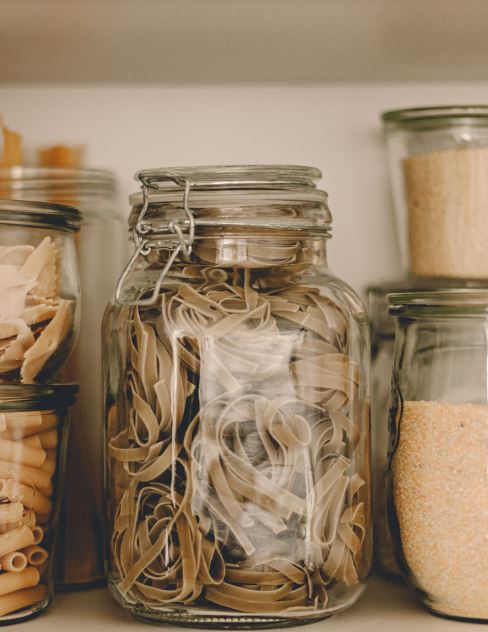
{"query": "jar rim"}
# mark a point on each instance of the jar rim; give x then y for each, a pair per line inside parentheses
(34, 175)
(230, 186)
(439, 115)
(218, 177)
(37, 396)
(40, 214)
(444, 301)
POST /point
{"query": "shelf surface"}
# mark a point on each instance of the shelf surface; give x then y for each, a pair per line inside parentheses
(384, 607)
(141, 41)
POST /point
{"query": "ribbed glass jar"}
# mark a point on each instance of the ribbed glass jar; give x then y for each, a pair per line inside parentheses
(237, 406)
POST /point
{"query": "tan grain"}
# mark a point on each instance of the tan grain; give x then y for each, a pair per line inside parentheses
(440, 487)
(447, 199)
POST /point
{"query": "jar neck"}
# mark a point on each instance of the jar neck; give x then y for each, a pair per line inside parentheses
(259, 251)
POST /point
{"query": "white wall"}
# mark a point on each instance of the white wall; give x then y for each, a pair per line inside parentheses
(334, 127)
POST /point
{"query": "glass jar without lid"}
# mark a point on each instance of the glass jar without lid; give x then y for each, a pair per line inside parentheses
(237, 417)
(39, 289)
(438, 449)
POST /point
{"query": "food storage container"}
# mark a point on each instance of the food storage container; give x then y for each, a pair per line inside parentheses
(438, 160)
(438, 500)
(102, 253)
(39, 289)
(237, 412)
(33, 433)
(382, 341)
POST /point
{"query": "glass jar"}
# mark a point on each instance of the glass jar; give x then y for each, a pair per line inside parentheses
(382, 340)
(438, 159)
(237, 412)
(438, 498)
(33, 433)
(39, 289)
(102, 254)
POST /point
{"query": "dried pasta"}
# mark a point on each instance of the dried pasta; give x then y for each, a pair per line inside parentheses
(25, 490)
(236, 486)
(34, 320)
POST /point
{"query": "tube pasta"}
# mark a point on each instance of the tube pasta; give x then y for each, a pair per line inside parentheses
(11, 513)
(29, 497)
(22, 599)
(49, 439)
(33, 441)
(36, 555)
(47, 491)
(235, 465)
(49, 464)
(27, 462)
(23, 420)
(12, 581)
(49, 421)
(16, 452)
(13, 562)
(36, 477)
(16, 539)
(38, 533)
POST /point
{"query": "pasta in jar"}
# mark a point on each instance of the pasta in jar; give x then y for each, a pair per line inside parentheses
(33, 428)
(236, 407)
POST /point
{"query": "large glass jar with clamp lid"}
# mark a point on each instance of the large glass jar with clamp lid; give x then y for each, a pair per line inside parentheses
(237, 412)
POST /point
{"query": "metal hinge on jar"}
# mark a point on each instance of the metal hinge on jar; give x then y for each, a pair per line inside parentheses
(144, 233)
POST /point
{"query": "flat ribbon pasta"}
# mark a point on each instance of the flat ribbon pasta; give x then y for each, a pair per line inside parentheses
(237, 489)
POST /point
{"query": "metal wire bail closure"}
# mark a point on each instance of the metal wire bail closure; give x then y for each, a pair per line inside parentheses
(143, 230)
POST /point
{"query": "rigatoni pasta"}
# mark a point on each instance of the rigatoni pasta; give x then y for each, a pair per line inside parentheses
(29, 441)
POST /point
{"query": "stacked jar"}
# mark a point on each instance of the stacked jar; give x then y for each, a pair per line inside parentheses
(438, 160)
(237, 409)
(39, 316)
(102, 251)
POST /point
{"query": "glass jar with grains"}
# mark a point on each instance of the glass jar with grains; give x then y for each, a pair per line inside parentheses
(438, 160)
(438, 500)
(237, 412)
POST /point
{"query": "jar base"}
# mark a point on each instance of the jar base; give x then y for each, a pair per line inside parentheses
(24, 615)
(225, 621)
(455, 617)
(199, 616)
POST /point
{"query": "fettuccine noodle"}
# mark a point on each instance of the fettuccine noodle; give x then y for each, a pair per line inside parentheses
(236, 487)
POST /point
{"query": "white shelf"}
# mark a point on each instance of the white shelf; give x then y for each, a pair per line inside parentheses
(384, 607)
(109, 41)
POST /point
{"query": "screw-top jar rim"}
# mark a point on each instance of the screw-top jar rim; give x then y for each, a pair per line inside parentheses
(436, 116)
(40, 215)
(448, 302)
(56, 179)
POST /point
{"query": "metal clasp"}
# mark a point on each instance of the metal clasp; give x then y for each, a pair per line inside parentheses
(142, 236)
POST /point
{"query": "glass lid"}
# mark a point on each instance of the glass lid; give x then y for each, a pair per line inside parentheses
(283, 196)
